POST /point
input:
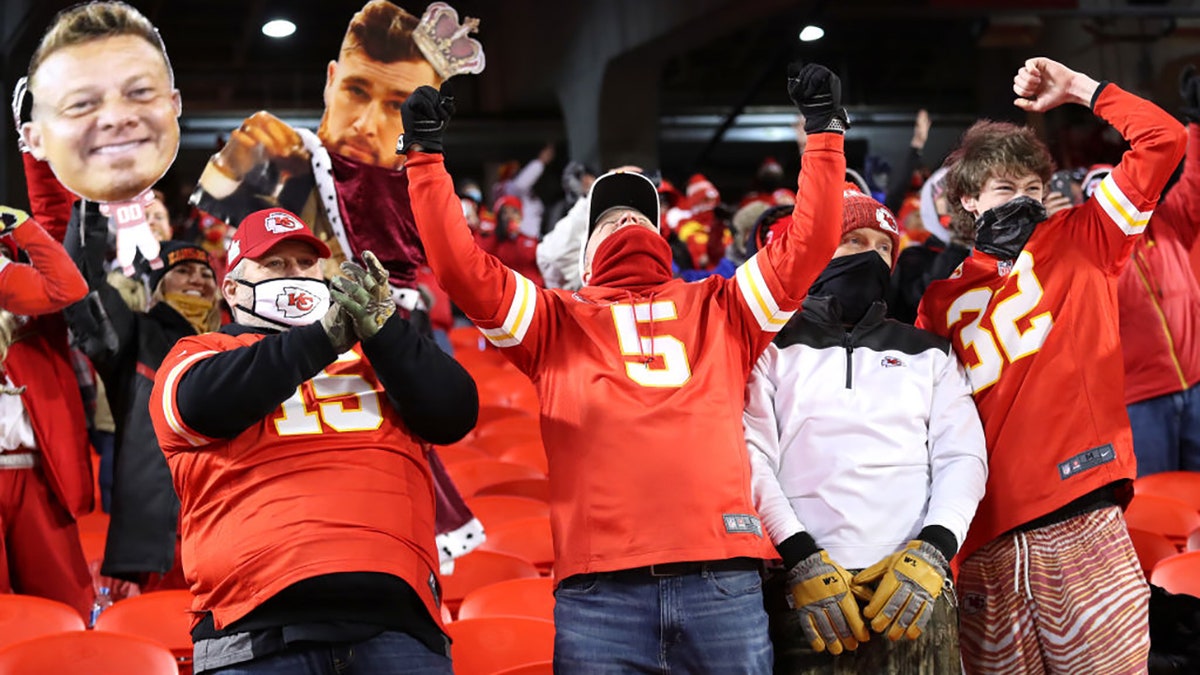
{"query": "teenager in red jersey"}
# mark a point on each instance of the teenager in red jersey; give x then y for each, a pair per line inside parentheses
(294, 438)
(641, 380)
(1049, 581)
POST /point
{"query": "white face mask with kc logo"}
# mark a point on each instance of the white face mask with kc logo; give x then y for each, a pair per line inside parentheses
(291, 301)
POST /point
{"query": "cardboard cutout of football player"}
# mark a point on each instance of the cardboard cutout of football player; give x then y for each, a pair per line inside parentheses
(105, 115)
(345, 180)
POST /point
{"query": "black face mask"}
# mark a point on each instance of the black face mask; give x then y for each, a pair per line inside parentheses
(857, 281)
(1001, 232)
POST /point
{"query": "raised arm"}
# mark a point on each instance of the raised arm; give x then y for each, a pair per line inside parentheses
(776, 279)
(500, 301)
(1121, 205)
(103, 324)
(49, 283)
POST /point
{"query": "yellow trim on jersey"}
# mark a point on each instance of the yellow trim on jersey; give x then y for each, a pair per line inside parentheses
(169, 399)
(1120, 209)
(758, 296)
(520, 316)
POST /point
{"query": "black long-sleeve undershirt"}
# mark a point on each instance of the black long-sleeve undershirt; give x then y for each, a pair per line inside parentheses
(435, 396)
(223, 395)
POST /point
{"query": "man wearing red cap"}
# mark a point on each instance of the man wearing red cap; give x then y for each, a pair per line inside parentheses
(867, 451)
(294, 437)
(640, 379)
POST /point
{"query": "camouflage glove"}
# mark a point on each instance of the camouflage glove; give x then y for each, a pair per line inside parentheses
(11, 218)
(364, 295)
(829, 616)
(336, 323)
(901, 589)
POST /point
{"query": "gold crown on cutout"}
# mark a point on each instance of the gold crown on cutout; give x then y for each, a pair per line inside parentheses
(445, 42)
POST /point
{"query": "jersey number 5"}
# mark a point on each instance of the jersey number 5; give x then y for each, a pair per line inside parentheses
(303, 414)
(1004, 335)
(675, 370)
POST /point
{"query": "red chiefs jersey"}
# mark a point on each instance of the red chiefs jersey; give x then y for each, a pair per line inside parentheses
(641, 394)
(1040, 337)
(331, 482)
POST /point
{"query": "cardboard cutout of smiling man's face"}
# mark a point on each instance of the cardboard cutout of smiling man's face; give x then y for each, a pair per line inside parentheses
(105, 116)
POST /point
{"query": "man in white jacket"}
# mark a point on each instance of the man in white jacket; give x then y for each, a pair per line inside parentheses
(867, 454)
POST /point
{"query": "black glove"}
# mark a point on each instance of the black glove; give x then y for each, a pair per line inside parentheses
(425, 114)
(817, 92)
(1189, 89)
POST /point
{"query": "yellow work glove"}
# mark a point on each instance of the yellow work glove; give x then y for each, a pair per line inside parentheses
(10, 218)
(901, 589)
(820, 591)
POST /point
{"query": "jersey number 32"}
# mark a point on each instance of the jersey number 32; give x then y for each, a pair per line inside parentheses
(1013, 334)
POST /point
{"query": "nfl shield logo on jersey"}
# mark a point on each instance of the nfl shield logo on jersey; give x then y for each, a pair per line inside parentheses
(1004, 267)
(295, 302)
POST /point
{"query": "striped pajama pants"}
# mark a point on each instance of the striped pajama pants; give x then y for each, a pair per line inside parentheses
(1067, 598)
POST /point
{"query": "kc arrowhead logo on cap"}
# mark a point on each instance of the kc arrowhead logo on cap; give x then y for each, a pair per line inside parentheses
(280, 222)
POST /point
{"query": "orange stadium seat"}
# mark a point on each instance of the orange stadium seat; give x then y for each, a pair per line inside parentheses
(1181, 485)
(162, 616)
(1151, 547)
(1169, 517)
(93, 545)
(480, 568)
(495, 510)
(487, 645)
(496, 445)
(462, 452)
(533, 488)
(533, 598)
(90, 652)
(493, 413)
(520, 423)
(1179, 574)
(474, 475)
(96, 521)
(530, 453)
(528, 538)
(23, 617)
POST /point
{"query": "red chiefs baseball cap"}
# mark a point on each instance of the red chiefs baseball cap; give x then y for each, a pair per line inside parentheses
(261, 230)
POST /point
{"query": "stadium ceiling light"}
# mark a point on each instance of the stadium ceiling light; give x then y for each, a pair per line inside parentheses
(278, 28)
(811, 33)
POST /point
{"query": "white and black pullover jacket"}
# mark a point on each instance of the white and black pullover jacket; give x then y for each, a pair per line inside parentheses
(863, 438)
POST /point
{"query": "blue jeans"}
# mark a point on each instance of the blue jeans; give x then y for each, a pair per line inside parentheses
(1166, 432)
(389, 653)
(622, 622)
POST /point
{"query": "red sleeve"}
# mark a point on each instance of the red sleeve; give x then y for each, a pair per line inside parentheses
(48, 284)
(49, 201)
(507, 307)
(773, 283)
(1179, 211)
(1121, 205)
(173, 434)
